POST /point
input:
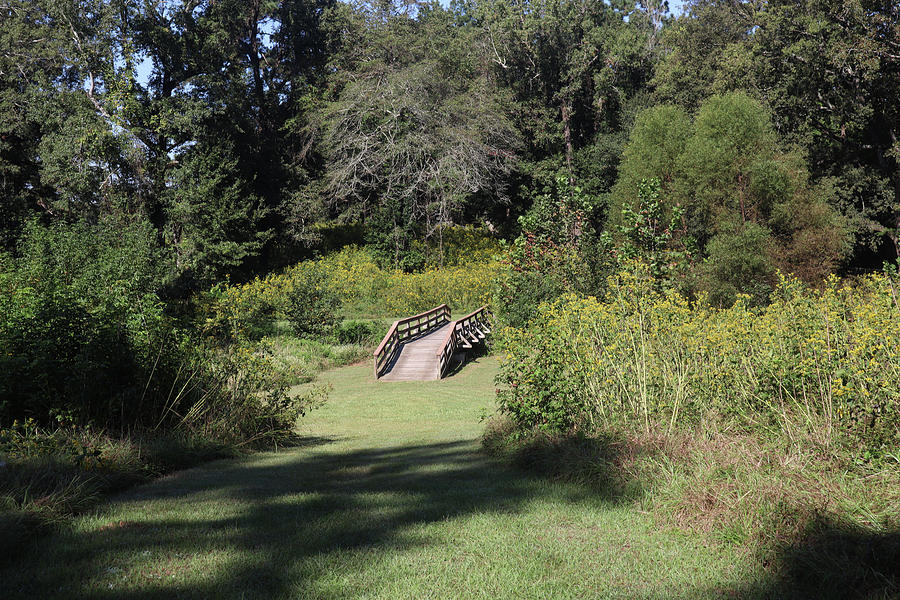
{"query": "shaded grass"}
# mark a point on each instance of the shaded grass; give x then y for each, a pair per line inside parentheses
(45, 488)
(389, 498)
(813, 528)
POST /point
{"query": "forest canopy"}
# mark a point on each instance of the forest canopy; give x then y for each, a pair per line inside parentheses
(244, 134)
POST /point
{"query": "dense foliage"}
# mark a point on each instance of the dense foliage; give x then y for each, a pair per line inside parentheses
(239, 132)
(87, 340)
(312, 294)
(196, 196)
(817, 366)
(740, 202)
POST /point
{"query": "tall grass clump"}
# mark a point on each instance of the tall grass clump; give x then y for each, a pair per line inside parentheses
(818, 366)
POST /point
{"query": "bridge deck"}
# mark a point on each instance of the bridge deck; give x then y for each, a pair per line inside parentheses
(417, 359)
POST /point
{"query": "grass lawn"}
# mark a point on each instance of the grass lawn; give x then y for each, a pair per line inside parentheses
(389, 497)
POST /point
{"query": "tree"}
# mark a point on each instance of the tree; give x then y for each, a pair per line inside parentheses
(216, 224)
(413, 131)
(58, 157)
(571, 65)
(746, 205)
(695, 48)
(830, 71)
(103, 101)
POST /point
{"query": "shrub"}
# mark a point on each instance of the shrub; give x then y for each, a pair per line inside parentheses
(359, 332)
(87, 340)
(83, 333)
(365, 288)
(464, 246)
(348, 281)
(813, 365)
(310, 304)
(558, 251)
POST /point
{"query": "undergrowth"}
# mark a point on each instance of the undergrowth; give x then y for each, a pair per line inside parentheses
(774, 428)
(361, 290)
(47, 475)
(815, 367)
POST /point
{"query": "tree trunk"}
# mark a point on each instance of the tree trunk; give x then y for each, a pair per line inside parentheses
(567, 138)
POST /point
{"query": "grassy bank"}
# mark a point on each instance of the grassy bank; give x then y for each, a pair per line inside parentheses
(771, 428)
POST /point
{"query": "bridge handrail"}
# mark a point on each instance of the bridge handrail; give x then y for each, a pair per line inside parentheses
(403, 329)
(463, 326)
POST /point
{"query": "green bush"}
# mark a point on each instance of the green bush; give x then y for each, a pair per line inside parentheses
(81, 329)
(813, 365)
(558, 251)
(359, 332)
(87, 340)
(310, 304)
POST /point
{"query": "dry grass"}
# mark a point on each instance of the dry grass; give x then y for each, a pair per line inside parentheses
(792, 508)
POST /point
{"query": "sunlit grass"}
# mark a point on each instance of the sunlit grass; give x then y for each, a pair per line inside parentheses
(389, 497)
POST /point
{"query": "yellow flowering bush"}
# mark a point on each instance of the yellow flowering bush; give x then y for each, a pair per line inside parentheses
(820, 365)
(466, 245)
(356, 279)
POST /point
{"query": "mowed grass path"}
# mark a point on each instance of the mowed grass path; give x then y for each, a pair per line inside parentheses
(388, 498)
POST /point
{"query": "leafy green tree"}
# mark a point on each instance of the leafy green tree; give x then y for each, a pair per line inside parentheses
(570, 65)
(695, 48)
(727, 187)
(831, 73)
(217, 222)
(657, 141)
(102, 103)
(58, 156)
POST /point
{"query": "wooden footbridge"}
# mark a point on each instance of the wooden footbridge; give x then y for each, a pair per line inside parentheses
(427, 345)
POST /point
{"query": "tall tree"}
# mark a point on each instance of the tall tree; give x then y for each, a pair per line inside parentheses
(415, 129)
(103, 101)
(744, 204)
(568, 64)
(830, 71)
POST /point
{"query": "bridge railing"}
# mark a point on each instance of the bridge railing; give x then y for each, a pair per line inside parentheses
(405, 329)
(464, 332)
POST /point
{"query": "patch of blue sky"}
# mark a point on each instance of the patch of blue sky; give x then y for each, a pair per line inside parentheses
(145, 67)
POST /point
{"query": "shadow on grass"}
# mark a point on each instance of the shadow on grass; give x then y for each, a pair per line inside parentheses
(597, 462)
(282, 525)
(830, 561)
(827, 560)
(835, 560)
(465, 357)
(276, 523)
